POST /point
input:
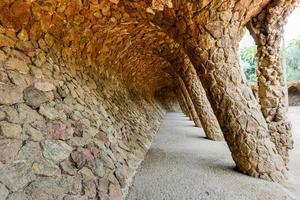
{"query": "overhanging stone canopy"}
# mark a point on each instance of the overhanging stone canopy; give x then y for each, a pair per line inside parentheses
(131, 57)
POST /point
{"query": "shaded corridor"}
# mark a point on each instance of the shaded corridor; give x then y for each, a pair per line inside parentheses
(183, 164)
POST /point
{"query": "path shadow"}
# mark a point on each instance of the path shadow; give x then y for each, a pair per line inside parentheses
(197, 137)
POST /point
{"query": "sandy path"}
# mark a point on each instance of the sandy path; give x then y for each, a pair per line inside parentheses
(182, 164)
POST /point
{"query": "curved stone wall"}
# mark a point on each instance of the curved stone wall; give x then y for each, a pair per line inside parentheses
(66, 134)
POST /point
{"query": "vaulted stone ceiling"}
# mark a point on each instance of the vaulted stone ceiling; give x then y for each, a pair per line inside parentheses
(144, 44)
(125, 38)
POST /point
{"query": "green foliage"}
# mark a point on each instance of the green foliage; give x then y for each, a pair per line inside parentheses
(249, 62)
(291, 54)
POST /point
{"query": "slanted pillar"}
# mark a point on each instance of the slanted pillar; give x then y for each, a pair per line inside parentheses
(181, 102)
(190, 104)
(244, 128)
(267, 31)
(191, 81)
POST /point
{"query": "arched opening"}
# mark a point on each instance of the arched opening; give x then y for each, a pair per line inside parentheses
(291, 57)
(289, 53)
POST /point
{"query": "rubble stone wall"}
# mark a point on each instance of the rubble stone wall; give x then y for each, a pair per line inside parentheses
(65, 134)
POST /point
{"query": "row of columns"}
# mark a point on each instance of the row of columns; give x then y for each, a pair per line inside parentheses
(211, 88)
(258, 136)
(194, 94)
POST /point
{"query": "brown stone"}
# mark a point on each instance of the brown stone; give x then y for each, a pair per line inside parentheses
(115, 192)
(4, 77)
(103, 185)
(101, 65)
(102, 136)
(9, 149)
(43, 85)
(34, 97)
(10, 130)
(58, 130)
(17, 65)
(6, 41)
(81, 157)
(10, 94)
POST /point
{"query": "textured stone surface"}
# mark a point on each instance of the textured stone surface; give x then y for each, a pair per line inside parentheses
(10, 94)
(16, 176)
(191, 84)
(34, 97)
(189, 102)
(9, 149)
(45, 168)
(56, 150)
(52, 132)
(81, 157)
(10, 130)
(80, 78)
(3, 192)
(267, 31)
(19, 196)
(58, 130)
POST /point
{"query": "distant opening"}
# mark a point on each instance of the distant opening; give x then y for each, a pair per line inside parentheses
(291, 46)
(247, 53)
(290, 51)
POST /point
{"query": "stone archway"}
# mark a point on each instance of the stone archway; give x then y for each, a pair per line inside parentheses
(79, 78)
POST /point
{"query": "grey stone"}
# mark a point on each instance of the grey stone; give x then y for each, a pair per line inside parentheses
(9, 149)
(34, 134)
(10, 95)
(40, 126)
(76, 115)
(16, 176)
(87, 174)
(10, 130)
(3, 192)
(89, 132)
(45, 168)
(97, 167)
(21, 195)
(11, 114)
(68, 168)
(89, 188)
(2, 115)
(107, 161)
(75, 197)
(27, 114)
(34, 97)
(56, 150)
(103, 196)
(120, 175)
(21, 80)
(45, 188)
(71, 184)
(52, 113)
(30, 152)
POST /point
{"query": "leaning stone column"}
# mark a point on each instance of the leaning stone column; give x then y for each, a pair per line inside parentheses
(244, 128)
(203, 108)
(181, 103)
(185, 106)
(267, 31)
(190, 104)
